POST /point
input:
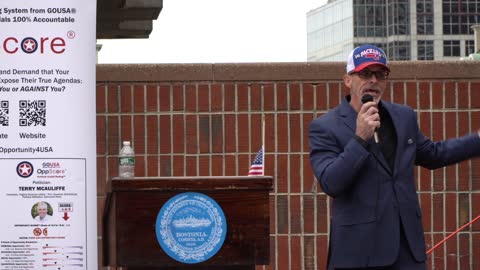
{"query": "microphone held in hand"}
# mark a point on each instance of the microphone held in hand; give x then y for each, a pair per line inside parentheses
(367, 98)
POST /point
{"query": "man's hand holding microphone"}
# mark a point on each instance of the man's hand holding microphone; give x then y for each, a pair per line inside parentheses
(368, 119)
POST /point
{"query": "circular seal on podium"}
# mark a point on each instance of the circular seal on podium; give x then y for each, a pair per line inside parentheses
(191, 227)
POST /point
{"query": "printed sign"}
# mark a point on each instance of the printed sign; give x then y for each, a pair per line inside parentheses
(47, 135)
(191, 227)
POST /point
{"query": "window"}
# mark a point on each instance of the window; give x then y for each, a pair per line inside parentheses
(425, 17)
(459, 16)
(399, 50)
(369, 18)
(469, 47)
(425, 50)
(398, 14)
(451, 48)
(382, 46)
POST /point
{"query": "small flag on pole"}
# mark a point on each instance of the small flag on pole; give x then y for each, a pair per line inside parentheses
(257, 166)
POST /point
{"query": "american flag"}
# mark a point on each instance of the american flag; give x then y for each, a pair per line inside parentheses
(257, 166)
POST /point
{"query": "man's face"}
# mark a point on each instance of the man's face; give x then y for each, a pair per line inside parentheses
(370, 80)
(42, 211)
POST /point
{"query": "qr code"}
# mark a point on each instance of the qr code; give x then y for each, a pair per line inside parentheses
(33, 112)
(4, 113)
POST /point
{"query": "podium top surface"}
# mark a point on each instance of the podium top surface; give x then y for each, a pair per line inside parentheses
(191, 183)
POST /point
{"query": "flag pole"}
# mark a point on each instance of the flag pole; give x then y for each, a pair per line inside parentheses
(263, 143)
(452, 234)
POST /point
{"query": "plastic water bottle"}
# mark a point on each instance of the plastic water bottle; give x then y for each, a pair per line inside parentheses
(126, 162)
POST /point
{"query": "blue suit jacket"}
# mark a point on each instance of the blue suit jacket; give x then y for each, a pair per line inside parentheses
(370, 200)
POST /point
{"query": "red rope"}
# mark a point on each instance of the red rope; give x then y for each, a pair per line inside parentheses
(452, 234)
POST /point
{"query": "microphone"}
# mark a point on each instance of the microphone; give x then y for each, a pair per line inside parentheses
(367, 98)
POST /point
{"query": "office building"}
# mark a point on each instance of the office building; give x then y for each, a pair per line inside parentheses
(405, 29)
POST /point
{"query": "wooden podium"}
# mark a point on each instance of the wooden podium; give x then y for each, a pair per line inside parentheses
(132, 206)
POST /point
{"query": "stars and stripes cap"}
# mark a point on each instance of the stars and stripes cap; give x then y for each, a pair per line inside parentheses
(364, 56)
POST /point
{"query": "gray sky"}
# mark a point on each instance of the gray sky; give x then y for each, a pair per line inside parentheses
(219, 31)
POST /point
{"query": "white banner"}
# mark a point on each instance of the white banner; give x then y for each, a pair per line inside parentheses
(47, 134)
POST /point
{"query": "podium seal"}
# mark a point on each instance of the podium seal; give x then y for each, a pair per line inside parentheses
(191, 227)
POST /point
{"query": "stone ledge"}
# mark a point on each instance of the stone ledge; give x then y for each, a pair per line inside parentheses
(300, 71)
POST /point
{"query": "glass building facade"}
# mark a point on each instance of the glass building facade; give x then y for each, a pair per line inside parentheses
(405, 29)
(330, 33)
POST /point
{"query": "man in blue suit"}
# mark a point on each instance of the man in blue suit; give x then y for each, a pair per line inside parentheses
(363, 154)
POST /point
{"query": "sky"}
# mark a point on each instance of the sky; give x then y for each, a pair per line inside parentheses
(219, 31)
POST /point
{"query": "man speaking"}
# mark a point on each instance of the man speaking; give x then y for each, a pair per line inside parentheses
(376, 218)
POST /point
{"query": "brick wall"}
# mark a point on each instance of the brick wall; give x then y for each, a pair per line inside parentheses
(205, 120)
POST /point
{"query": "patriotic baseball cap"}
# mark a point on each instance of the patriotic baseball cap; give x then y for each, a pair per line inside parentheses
(364, 56)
